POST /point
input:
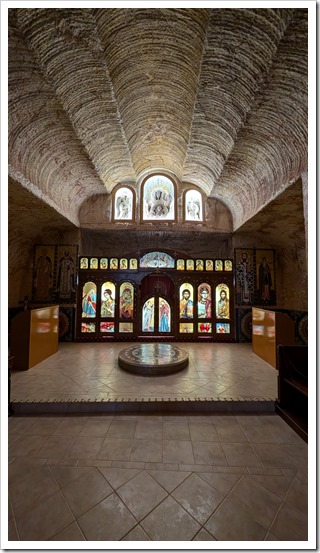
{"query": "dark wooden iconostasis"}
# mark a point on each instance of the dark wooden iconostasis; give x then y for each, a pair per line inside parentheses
(155, 297)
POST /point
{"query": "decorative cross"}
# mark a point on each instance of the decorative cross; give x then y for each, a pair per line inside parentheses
(158, 286)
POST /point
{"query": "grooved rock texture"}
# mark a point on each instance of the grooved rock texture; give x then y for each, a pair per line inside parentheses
(100, 97)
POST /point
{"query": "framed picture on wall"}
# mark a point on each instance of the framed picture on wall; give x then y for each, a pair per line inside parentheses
(43, 273)
(265, 277)
(245, 272)
(65, 290)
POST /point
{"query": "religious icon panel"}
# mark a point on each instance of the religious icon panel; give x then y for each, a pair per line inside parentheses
(158, 199)
(186, 301)
(108, 299)
(148, 316)
(84, 264)
(94, 263)
(88, 327)
(106, 327)
(126, 300)
(186, 328)
(222, 301)
(89, 300)
(103, 263)
(204, 301)
(204, 328)
(125, 327)
(222, 328)
(164, 316)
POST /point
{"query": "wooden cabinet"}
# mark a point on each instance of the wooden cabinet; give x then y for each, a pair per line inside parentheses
(34, 336)
(292, 403)
(269, 329)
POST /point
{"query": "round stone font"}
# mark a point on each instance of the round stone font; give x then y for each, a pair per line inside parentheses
(153, 359)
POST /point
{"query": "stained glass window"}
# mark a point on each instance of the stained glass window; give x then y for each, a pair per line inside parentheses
(123, 204)
(106, 327)
(94, 263)
(186, 328)
(89, 300)
(84, 263)
(125, 327)
(157, 259)
(186, 301)
(222, 328)
(148, 316)
(193, 206)
(204, 301)
(88, 327)
(204, 328)
(158, 199)
(126, 300)
(108, 291)
(222, 301)
(164, 316)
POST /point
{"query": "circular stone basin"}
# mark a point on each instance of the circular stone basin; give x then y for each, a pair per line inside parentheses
(153, 359)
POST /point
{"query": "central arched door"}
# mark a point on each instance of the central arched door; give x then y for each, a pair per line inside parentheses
(156, 305)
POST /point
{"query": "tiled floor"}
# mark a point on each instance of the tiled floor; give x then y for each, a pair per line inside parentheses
(156, 477)
(90, 371)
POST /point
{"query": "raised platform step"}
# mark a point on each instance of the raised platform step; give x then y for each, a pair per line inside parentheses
(207, 405)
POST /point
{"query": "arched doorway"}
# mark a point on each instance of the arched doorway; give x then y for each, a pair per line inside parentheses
(156, 305)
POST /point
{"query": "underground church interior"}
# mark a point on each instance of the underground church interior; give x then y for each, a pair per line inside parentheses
(157, 298)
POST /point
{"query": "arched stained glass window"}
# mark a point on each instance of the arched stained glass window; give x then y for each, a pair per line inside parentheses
(89, 300)
(108, 292)
(222, 301)
(164, 316)
(186, 301)
(148, 316)
(193, 206)
(204, 301)
(123, 204)
(158, 199)
(126, 299)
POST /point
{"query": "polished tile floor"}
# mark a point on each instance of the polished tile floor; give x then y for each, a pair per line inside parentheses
(90, 372)
(156, 477)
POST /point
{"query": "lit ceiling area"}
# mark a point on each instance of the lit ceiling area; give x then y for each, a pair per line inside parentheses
(216, 98)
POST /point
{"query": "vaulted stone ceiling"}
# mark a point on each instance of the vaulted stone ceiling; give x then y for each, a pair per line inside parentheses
(216, 97)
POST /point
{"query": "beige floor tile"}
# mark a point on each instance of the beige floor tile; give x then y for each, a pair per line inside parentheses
(229, 523)
(169, 479)
(259, 434)
(230, 432)
(141, 494)
(290, 524)
(43, 426)
(19, 425)
(203, 535)
(241, 455)
(137, 534)
(64, 475)
(118, 449)
(147, 429)
(261, 504)
(283, 433)
(45, 519)
(70, 533)
(110, 520)
(203, 432)
(19, 470)
(298, 495)
(121, 429)
(85, 492)
(197, 497)
(146, 450)
(276, 484)
(170, 522)
(176, 430)
(118, 476)
(70, 426)
(55, 446)
(12, 438)
(177, 451)
(209, 453)
(27, 493)
(27, 446)
(85, 447)
(224, 483)
(282, 455)
(96, 426)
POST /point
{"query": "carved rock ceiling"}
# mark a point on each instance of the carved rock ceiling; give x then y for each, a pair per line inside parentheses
(216, 97)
